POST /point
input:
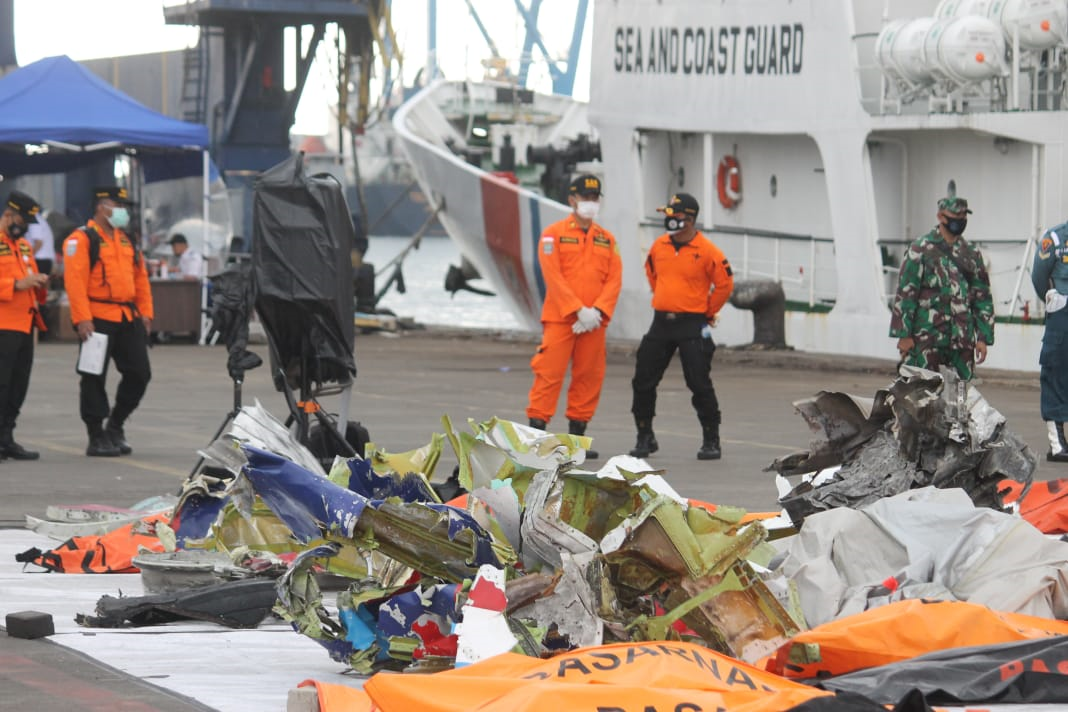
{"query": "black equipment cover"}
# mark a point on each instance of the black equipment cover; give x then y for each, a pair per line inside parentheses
(231, 296)
(1024, 672)
(302, 270)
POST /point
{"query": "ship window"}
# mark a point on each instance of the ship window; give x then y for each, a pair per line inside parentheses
(773, 185)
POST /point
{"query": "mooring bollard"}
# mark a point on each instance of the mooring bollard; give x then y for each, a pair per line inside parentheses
(766, 299)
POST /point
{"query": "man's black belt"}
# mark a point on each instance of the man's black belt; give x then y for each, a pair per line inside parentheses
(672, 316)
(132, 306)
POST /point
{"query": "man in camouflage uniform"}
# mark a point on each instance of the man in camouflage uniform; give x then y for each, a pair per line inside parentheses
(943, 314)
(1049, 275)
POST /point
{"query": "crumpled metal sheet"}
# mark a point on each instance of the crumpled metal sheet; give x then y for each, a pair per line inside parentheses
(570, 609)
(204, 495)
(370, 480)
(924, 429)
(624, 545)
(422, 460)
(615, 554)
(300, 604)
(436, 539)
(254, 425)
(483, 630)
(500, 449)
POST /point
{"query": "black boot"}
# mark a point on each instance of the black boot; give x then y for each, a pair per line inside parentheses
(117, 436)
(1058, 447)
(578, 427)
(538, 423)
(10, 448)
(646, 444)
(100, 444)
(710, 443)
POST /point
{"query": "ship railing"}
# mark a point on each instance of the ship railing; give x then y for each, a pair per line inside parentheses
(798, 262)
(1008, 264)
(1036, 80)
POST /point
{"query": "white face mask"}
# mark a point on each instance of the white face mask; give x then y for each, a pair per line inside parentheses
(120, 217)
(587, 209)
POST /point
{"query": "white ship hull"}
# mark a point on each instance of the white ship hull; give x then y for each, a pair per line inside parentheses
(494, 222)
(838, 172)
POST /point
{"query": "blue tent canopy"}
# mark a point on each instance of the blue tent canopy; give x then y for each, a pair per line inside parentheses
(56, 101)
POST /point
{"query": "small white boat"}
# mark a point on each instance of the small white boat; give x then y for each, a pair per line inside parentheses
(493, 211)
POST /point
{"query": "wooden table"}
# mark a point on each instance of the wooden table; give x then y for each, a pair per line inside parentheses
(176, 303)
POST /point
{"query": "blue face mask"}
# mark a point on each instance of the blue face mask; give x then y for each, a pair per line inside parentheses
(120, 217)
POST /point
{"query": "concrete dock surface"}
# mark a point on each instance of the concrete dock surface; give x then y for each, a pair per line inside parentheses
(406, 382)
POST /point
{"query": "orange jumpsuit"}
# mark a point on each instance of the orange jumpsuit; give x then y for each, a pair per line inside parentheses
(17, 311)
(17, 307)
(115, 282)
(581, 268)
(114, 294)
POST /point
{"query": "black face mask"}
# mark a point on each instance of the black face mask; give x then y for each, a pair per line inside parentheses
(16, 231)
(955, 226)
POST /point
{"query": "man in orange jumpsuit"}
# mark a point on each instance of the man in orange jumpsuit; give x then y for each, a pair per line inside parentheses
(22, 289)
(691, 281)
(107, 284)
(583, 274)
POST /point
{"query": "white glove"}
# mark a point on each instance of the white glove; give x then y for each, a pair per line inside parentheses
(589, 318)
(1055, 301)
(578, 328)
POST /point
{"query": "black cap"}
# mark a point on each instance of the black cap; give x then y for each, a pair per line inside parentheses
(178, 238)
(113, 192)
(585, 184)
(24, 205)
(681, 204)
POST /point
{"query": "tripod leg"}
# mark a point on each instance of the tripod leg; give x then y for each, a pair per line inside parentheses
(226, 423)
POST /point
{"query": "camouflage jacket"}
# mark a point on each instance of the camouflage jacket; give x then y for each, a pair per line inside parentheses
(943, 296)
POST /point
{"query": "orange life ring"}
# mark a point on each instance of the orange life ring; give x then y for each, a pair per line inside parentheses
(729, 182)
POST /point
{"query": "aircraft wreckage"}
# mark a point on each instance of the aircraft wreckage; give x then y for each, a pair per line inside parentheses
(902, 497)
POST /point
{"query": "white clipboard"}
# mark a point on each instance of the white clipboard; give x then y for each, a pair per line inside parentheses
(93, 354)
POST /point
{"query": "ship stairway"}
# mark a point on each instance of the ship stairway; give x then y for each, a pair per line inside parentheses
(195, 76)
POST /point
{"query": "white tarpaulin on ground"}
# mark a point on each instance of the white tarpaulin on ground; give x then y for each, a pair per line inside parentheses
(935, 544)
(223, 668)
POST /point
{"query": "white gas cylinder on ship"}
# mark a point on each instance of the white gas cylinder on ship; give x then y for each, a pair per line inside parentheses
(1041, 24)
(965, 49)
(899, 50)
(959, 8)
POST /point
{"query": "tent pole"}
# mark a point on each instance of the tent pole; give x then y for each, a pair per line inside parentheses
(204, 321)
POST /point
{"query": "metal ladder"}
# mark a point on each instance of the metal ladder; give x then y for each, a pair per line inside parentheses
(196, 69)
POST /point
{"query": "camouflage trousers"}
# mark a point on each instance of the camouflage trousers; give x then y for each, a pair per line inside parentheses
(963, 362)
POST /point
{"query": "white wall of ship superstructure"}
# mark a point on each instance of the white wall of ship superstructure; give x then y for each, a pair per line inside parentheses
(851, 186)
